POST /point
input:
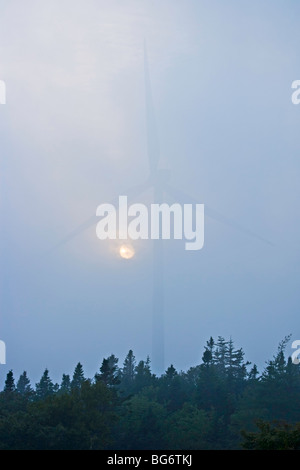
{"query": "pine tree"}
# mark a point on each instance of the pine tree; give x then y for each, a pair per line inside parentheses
(171, 372)
(128, 366)
(23, 385)
(276, 367)
(207, 357)
(172, 389)
(127, 373)
(236, 367)
(65, 386)
(210, 345)
(253, 374)
(9, 386)
(78, 377)
(143, 375)
(230, 358)
(292, 371)
(44, 387)
(221, 354)
(109, 372)
(148, 366)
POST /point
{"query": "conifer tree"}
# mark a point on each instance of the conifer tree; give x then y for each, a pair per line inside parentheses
(44, 387)
(78, 377)
(109, 372)
(23, 385)
(221, 354)
(65, 386)
(9, 386)
(253, 374)
(171, 372)
(143, 375)
(207, 357)
(276, 367)
(128, 372)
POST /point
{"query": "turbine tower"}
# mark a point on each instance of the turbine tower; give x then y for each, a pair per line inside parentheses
(158, 179)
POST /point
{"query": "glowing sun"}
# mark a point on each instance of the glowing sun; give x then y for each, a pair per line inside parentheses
(127, 251)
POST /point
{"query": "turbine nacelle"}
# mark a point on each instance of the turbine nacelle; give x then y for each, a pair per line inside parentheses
(159, 178)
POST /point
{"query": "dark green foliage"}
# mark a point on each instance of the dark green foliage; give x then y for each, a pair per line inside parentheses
(142, 424)
(78, 378)
(206, 407)
(9, 386)
(253, 374)
(171, 390)
(80, 420)
(170, 373)
(65, 386)
(23, 385)
(127, 374)
(188, 428)
(109, 372)
(44, 387)
(275, 436)
(143, 375)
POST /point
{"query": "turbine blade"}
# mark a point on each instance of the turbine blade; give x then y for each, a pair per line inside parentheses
(152, 137)
(131, 193)
(213, 214)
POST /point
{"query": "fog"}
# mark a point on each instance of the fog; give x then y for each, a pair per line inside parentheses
(74, 135)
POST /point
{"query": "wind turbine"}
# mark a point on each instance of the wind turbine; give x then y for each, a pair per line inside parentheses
(158, 180)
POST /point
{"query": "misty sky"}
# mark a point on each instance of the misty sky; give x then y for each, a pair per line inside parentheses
(73, 136)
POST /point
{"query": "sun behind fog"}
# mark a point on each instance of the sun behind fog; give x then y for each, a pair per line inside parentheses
(127, 251)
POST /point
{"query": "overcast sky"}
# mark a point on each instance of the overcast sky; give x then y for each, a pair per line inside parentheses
(73, 136)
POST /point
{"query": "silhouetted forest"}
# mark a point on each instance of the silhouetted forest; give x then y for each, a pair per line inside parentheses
(222, 403)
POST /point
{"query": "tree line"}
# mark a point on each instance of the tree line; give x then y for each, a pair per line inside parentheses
(222, 403)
